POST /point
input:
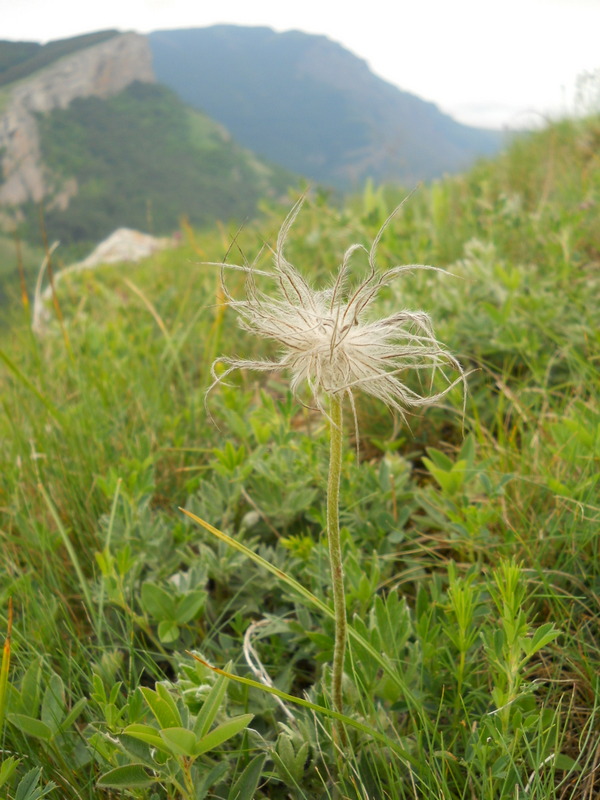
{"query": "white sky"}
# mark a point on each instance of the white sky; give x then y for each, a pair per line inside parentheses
(486, 62)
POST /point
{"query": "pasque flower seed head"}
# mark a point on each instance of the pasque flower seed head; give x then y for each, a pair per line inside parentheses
(329, 340)
(332, 343)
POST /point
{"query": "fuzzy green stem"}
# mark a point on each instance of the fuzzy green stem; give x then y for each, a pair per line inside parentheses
(335, 558)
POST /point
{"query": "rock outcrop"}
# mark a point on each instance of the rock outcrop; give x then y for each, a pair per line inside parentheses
(102, 70)
(123, 245)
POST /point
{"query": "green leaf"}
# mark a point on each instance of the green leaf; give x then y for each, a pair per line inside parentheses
(28, 788)
(181, 741)
(73, 714)
(216, 774)
(246, 784)
(168, 631)
(566, 763)
(157, 602)
(7, 768)
(467, 451)
(166, 696)
(210, 707)
(31, 726)
(138, 751)
(162, 706)
(222, 733)
(53, 703)
(189, 606)
(127, 777)
(30, 688)
(450, 481)
(543, 635)
(439, 459)
(28, 784)
(500, 766)
(147, 734)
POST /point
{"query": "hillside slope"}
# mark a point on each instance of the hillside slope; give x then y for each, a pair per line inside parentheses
(312, 106)
(470, 533)
(143, 160)
(93, 127)
(102, 70)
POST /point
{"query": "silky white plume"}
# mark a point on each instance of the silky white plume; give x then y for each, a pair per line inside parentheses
(328, 340)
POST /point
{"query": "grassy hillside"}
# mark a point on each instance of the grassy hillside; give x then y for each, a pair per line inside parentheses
(470, 544)
(142, 159)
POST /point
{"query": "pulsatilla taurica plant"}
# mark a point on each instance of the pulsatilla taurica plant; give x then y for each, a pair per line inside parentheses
(332, 346)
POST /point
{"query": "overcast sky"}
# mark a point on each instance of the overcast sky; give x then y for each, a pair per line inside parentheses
(486, 62)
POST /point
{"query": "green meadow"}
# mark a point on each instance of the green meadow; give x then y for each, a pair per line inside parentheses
(151, 653)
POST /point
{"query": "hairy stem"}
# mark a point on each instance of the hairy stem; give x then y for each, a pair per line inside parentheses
(335, 558)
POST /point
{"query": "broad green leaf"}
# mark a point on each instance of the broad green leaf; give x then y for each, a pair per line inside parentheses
(181, 741)
(30, 688)
(157, 602)
(500, 766)
(53, 703)
(166, 696)
(140, 752)
(543, 635)
(168, 631)
(31, 726)
(450, 481)
(245, 786)
(127, 777)
(147, 734)
(467, 451)
(439, 459)
(565, 762)
(210, 707)
(222, 733)
(162, 706)
(99, 691)
(189, 607)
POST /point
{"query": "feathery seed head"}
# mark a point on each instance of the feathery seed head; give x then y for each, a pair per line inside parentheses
(328, 340)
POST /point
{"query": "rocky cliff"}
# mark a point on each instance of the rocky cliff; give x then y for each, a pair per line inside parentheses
(102, 71)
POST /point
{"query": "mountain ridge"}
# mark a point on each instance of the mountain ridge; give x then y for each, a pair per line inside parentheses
(298, 104)
(94, 126)
(100, 70)
(313, 106)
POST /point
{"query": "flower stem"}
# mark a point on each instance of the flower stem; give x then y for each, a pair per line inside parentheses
(335, 558)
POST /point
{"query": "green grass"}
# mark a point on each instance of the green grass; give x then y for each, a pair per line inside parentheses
(471, 558)
(10, 283)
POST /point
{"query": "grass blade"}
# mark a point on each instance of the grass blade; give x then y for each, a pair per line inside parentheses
(5, 665)
(329, 712)
(69, 548)
(29, 385)
(390, 669)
